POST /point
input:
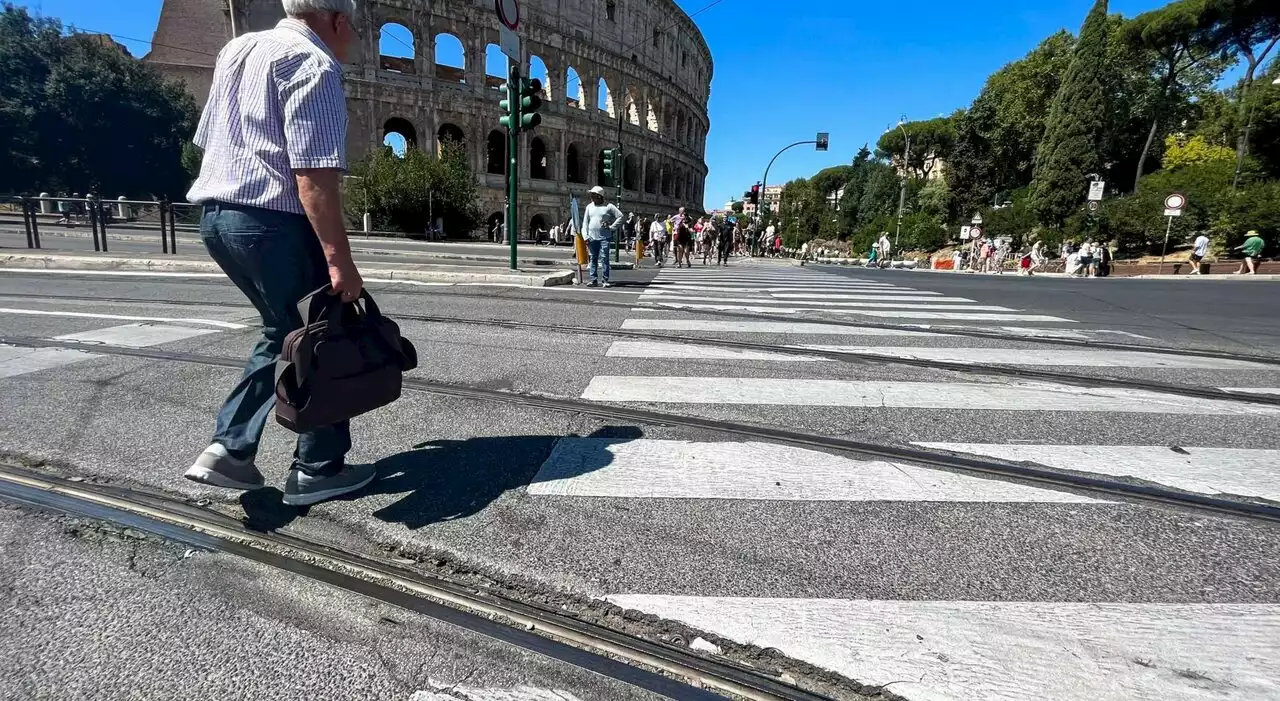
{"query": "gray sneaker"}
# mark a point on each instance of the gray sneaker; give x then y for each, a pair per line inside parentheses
(302, 489)
(217, 468)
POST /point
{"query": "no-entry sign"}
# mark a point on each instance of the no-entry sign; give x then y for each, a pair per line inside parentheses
(1173, 205)
(508, 13)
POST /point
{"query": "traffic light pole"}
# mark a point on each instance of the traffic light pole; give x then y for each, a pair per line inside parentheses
(765, 183)
(617, 182)
(513, 152)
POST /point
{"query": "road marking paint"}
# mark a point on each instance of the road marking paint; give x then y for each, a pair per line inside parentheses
(1239, 471)
(109, 273)
(124, 317)
(889, 314)
(779, 327)
(1007, 651)
(1045, 357)
(672, 469)
(136, 335)
(1253, 390)
(969, 396)
(451, 691)
(889, 296)
(666, 351)
(16, 361)
(879, 303)
(794, 289)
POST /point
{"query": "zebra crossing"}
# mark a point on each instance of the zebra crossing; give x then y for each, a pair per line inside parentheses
(1005, 644)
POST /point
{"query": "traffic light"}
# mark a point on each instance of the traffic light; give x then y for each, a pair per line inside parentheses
(823, 140)
(510, 106)
(530, 101)
(611, 158)
(755, 194)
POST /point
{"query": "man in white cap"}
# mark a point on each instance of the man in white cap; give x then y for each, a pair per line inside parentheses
(599, 223)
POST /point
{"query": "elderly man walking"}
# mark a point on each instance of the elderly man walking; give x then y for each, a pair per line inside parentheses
(274, 139)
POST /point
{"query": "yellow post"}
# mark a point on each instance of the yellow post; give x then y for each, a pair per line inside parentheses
(639, 251)
(581, 247)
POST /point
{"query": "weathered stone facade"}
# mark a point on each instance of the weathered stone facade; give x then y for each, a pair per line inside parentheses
(651, 56)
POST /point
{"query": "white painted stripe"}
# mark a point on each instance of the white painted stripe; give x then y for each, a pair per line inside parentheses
(794, 289)
(1238, 471)
(886, 314)
(667, 469)
(452, 691)
(879, 303)
(136, 335)
(889, 296)
(1045, 357)
(1253, 390)
(16, 361)
(779, 327)
(687, 351)
(971, 396)
(122, 317)
(1008, 651)
(108, 273)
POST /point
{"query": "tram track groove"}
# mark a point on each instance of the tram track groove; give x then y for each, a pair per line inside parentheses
(1024, 472)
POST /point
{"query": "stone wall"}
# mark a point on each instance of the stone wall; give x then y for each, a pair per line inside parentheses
(655, 67)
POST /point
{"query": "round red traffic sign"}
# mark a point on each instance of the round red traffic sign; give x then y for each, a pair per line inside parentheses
(1175, 201)
(508, 13)
(975, 232)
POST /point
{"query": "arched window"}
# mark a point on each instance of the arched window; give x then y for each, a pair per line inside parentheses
(399, 134)
(573, 170)
(666, 180)
(538, 69)
(496, 153)
(573, 89)
(451, 60)
(605, 99)
(536, 224)
(631, 172)
(396, 48)
(633, 109)
(539, 163)
(495, 67)
(651, 177)
(450, 133)
(651, 118)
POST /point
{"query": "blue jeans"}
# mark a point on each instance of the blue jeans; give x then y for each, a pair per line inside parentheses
(275, 259)
(599, 252)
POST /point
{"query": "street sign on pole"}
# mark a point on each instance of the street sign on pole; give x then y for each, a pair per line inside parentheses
(508, 12)
(1096, 188)
(975, 232)
(1173, 205)
(1093, 205)
(964, 232)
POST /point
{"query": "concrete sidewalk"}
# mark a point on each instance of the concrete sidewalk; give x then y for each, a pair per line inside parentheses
(415, 272)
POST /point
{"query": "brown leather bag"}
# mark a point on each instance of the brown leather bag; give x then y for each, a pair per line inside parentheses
(346, 359)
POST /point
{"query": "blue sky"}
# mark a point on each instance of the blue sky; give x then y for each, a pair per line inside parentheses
(784, 72)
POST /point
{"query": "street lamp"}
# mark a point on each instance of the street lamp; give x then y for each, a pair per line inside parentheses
(902, 191)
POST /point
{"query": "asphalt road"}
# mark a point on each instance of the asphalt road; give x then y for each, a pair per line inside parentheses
(939, 584)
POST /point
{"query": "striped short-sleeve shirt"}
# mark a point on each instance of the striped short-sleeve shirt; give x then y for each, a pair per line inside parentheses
(276, 104)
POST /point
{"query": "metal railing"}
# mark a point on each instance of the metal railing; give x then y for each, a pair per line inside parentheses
(99, 214)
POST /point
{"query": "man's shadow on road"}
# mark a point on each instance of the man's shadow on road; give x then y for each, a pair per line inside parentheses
(449, 479)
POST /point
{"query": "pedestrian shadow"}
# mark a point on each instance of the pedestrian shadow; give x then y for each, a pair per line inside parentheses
(444, 480)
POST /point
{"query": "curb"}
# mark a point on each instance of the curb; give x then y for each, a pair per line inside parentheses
(90, 264)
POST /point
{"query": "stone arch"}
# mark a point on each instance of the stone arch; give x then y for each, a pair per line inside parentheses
(677, 187)
(402, 128)
(538, 69)
(574, 171)
(539, 160)
(450, 59)
(495, 152)
(574, 93)
(536, 222)
(651, 176)
(668, 123)
(632, 109)
(396, 48)
(631, 172)
(495, 67)
(604, 98)
(681, 123)
(450, 132)
(651, 117)
(492, 220)
(667, 179)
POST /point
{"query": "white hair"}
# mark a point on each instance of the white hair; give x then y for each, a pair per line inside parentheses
(299, 8)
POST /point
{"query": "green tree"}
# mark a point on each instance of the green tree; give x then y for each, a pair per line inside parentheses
(880, 195)
(1182, 152)
(1250, 28)
(852, 195)
(1074, 133)
(996, 138)
(1265, 134)
(931, 140)
(1179, 35)
(77, 113)
(406, 193)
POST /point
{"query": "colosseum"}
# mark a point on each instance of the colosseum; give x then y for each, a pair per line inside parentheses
(634, 72)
